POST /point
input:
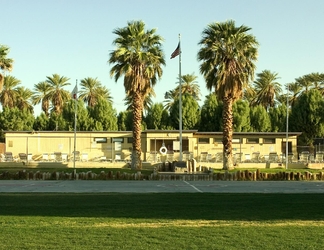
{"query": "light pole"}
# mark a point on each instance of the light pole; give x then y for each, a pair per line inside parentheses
(287, 126)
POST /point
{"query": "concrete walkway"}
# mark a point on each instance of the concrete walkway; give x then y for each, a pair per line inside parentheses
(17, 186)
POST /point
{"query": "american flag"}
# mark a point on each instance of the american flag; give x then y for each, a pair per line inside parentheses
(74, 93)
(176, 52)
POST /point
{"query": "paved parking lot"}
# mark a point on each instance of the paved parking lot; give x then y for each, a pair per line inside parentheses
(13, 186)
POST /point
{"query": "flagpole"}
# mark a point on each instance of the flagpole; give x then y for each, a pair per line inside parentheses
(180, 102)
(75, 122)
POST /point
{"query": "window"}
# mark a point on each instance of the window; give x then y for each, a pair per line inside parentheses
(236, 140)
(218, 140)
(117, 139)
(100, 139)
(252, 140)
(130, 139)
(269, 140)
(203, 140)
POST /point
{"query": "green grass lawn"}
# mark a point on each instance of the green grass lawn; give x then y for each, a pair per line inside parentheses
(162, 221)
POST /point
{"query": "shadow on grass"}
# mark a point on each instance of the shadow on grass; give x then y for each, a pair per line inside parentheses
(205, 206)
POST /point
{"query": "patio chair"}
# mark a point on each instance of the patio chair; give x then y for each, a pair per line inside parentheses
(273, 157)
(219, 157)
(247, 158)
(203, 157)
(77, 155)
(290, 157)
(51, 157)
(209, 158)
(255, 157)
(118, 157)
(64, 157)
(45, 157)
(84, 157)
(304, 156)
(58, 156)
(22, 157)
(238, 157)
(319, 156)
(8, 156)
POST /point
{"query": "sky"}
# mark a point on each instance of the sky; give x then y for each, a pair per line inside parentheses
(73, 38)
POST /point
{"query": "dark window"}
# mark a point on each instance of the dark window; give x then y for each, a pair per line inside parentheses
(203, 140)
(252, 140)
(100, 139)
(269, 140)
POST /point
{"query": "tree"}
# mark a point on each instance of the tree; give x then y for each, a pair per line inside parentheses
(40, 95)
(156, 117)
(5, 63)
(139, 57)
(56, 93)
(23, 96)
(267, 88)
(211, 115)
(227, 56)
(9, 94)
(14, 119)
(104, 113)
(260, 120)
(190, 113)
(307, 116)
(241, 116)
(83, 120)
(92, 90)
(188, 85)
(278, 118)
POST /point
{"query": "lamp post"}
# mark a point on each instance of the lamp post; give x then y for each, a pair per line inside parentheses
(287, 126)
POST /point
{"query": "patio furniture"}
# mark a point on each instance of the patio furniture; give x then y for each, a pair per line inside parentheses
(22, 157)
(304, 156)
(255, 157)
(57, 156)
(273, 157)
(219, 157)
(319, 156)
(203, 157)
(8, 156)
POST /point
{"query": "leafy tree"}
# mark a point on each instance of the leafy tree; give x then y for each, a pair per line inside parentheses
(56, 122)
(104, 113)
(227, 56)
(241, 112)
(121, 121)
(211, 115)
(155, 118)
(307, 117)
(278, 118)
(56, 93)
(68, 114)
(14, 119)
(9, 94)
(267, 88)
(40, 95)
(139, 57)
(190, 113)
(41, 123)
(260, 120)
(5, 63)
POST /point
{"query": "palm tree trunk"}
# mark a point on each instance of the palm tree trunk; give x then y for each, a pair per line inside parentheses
(137, 130)
(227, 133)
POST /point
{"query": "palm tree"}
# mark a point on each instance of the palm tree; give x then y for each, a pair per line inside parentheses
(139, 57)
(9, 94)
(40, 95)
(5, 63)
(188, 86)
(23, 95)
(305, 82)
(147, 102)
(267, 88)
(56, 93)
(92, 90)
(227, 56)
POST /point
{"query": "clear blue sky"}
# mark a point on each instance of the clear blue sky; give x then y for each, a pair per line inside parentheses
(73, 38)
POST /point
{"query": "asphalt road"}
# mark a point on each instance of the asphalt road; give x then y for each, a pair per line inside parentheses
(88, 186)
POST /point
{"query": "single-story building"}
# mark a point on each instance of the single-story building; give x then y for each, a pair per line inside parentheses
(157, 145)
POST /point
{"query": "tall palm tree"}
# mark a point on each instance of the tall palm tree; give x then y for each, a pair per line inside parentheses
(23, 96)
(92, 90)
(295, 90)
(5, 63)
(139, 57)
(9, 94)
(40, 95)
(147, 102)
(227, 56)
(267, 88)
(56, 93)
(305, 82)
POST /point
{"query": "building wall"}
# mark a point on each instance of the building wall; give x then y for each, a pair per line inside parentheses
(110, 144)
